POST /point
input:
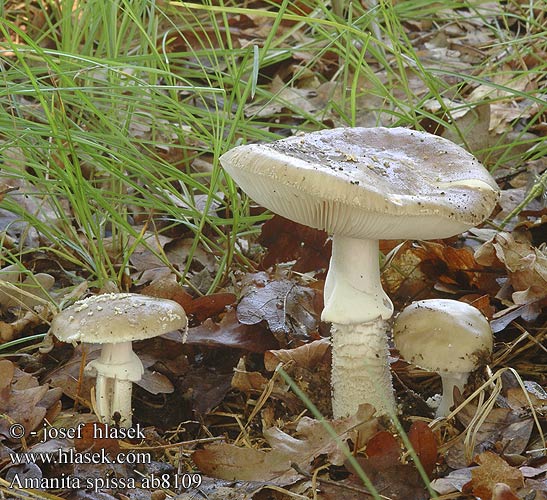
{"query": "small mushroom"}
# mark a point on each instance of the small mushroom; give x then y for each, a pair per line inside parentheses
(115, 320)
(362, 185)
(445, 336)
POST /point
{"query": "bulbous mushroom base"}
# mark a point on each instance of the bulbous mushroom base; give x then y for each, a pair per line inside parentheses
(360, 368)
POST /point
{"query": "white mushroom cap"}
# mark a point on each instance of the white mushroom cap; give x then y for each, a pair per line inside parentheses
(117, 317)
(378, 183)
(443, 335)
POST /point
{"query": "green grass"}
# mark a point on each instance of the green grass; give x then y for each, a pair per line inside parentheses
(77, 90)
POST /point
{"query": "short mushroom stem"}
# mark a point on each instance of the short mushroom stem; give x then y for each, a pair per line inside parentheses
(357, 306)
(116, 368)
(449, 381)
(360, 369)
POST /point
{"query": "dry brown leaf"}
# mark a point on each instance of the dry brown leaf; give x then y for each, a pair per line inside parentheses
(425, 445)
(164, 284)
(94, 437)
(314, 439)
(417, 267)
(520, 81)
(289, 241)
(231, 333)
(526, 265)
(310, 368)
(493, 470)
(516, 399)
(402, 277)
(227, 461)
(503, 492)
(245, 381)
(16, 329)
(383, 466)
(449, 265)
(22, 400)
(455, 481)
(23, 290)
(305, 356)
(155, 383)
(142, 257)
(285, 305)
(209, 306)
(503, 429)
(255, 382)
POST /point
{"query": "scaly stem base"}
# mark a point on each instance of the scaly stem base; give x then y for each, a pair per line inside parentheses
(360, 370)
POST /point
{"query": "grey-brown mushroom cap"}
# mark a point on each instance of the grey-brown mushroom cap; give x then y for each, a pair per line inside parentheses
(117, 317)
(381, 183)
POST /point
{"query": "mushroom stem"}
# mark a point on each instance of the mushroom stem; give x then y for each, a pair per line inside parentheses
(449, 381)
(103, 398)
(121, 398)
(357, 306)
(360, 369)
(353, 290)
(116, 368)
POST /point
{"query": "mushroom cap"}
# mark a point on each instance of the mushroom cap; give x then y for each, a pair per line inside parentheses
(117, 317)
(443, 335)
(380, 183)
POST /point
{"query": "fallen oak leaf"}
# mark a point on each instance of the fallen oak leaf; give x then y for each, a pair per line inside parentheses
(288, 454)
(227, 461)
(229, 333)
(384, 448)
(314, 439)
(210, 305)
(526, 265)
(255, 382)
(289, 241)
(425, 445)
(309, 365)
(22, 400)
(285, 305)
(444, 263)
(93, 437)
(491, 471)
(389, 476)
(14, 330)
(503, 492)
(306, 356)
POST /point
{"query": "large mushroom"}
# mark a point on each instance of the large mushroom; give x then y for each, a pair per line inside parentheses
(362, 185)
(115, 320)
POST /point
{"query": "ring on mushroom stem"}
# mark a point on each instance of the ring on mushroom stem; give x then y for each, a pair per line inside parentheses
(362, 185)
(115, 320)
(446, 336)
